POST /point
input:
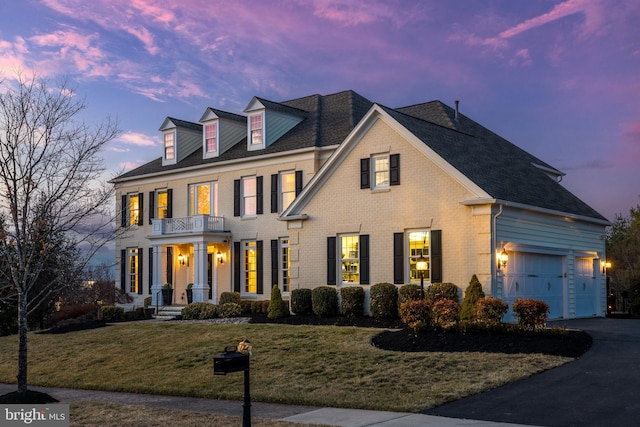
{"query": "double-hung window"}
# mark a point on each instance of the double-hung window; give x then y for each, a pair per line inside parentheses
(418, 247)
(256, 128)
(169, 146)
(349, 252)
(162, 204)
(287, 189)
(249, 267)
(249, 196)
(132, 270)
(203, 199)
(211, 138)
(380, 172)
(133, 209)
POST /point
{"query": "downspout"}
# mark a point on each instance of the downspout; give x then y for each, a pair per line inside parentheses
(494, 244)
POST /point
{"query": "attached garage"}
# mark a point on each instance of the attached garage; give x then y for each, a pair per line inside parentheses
(536, 276)
(586, 289)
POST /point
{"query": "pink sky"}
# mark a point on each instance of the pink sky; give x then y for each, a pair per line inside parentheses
(560, 79)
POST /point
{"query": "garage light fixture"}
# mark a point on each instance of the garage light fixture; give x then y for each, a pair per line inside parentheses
(503, 257)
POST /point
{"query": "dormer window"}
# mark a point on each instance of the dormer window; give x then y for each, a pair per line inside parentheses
(256, 130)
(169, 146)
(211, 138)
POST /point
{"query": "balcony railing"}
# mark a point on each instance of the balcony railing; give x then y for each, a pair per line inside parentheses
(189, 224)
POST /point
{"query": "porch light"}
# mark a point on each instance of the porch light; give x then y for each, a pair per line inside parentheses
(421, 266)
(503, 257)
(605, 266)
(182, 259)
(220, 258)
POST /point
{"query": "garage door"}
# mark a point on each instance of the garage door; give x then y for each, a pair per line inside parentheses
(586, 291)
(535, 276)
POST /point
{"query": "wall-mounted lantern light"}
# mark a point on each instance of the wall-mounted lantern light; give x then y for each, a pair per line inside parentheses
(503, 257)
(183, 259)
(220, 257)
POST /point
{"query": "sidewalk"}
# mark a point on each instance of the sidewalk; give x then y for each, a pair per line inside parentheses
(294, 413)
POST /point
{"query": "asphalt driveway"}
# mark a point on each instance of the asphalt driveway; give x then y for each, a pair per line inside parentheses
(601, 388)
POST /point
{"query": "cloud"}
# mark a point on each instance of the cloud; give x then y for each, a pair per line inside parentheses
(138, 139)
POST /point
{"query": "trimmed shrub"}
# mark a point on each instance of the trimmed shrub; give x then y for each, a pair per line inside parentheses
(490, 311)
(230, 309)
(245, 305)
(384, 301)
(110, 313)
(531, 313)
(408, 292)
(437, 291)
(301, 301)
(324, 301)
(226, 297)
(352, 301)
(209, 311)
(74, 311)
(277, 308)
(192, 311)
(473, 293)
(147, 302)
(416, 314)
(446, 313)
(259, 307)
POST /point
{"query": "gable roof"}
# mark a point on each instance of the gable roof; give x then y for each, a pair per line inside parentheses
(328, 121)
(484, 161)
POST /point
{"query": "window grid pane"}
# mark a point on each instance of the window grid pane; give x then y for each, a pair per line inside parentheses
(169, 146)
(256, 129)
(285, 264)
(211, 137)
(134, 209)
(381, 171)
(250, 267)
(418, 246)
(350, 259)
(287, 189)
(133, 270)
(162, 204)
(249, 197)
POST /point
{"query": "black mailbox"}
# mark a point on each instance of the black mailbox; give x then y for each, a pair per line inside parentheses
(230, 361)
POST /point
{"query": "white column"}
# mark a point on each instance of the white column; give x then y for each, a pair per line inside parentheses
(156, 298)
(200, 288)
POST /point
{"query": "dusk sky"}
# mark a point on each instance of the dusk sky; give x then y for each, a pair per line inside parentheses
(560, 79)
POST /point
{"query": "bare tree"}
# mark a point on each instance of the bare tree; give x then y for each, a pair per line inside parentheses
(52, 196)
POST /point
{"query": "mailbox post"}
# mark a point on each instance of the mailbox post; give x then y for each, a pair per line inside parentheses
(233, 361)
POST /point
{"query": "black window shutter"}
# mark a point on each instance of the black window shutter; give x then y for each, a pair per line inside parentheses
(332, 267)
(274, 262)
(298, 182)
(170, 203)
(140, 208)
(123, 270)
(236, 197)
(274, 193)
(123, 211)
(259, 196)
(140, 273)
(364, 258)
(169, 271)
(152, 206)
(150, 269)
(236, 266)
(398, 258)
(436, 256)
(394, 169)
(364, 173)
(260, 267)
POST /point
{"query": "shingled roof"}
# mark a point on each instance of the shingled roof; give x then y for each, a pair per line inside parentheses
(500, 168)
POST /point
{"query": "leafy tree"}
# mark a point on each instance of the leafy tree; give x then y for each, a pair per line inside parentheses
(53, 206)
(623, 251)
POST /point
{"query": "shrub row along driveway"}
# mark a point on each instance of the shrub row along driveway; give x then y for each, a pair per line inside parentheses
(600, 388)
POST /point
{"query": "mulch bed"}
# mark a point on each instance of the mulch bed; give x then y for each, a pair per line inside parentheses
(29, 397)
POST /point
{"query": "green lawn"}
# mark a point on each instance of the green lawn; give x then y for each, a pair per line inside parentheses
(307, 365)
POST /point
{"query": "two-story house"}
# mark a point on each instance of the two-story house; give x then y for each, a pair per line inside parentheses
(342, 191)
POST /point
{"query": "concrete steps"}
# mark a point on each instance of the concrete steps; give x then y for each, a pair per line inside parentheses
(169, 312)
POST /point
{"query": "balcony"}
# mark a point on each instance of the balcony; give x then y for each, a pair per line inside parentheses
(187, 225)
